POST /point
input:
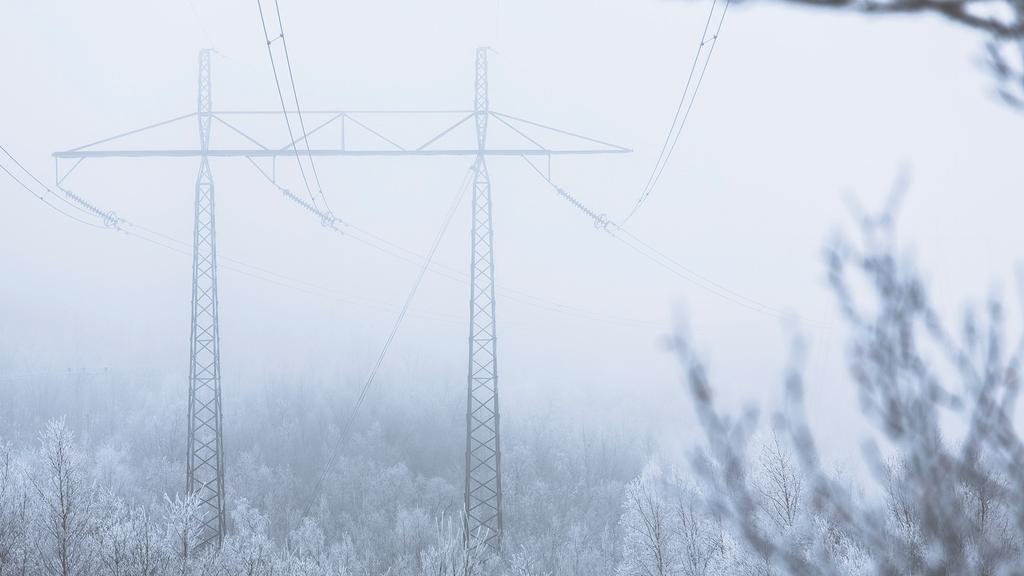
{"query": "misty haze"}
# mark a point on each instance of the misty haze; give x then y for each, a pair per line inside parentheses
(511, 288)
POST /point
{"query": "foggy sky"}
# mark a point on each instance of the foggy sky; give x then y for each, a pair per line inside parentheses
(800, 111)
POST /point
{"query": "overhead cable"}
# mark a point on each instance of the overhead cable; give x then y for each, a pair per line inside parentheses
(106, 218)
(680, 117)
(650, 252)
(298, 110)
(387, 344)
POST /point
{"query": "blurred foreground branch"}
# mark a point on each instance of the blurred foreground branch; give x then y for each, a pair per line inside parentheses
(946, 490)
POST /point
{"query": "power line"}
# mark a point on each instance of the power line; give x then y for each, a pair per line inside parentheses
(689, 107)
(676, 128)
(284, 107)
(675, 267)
(663, 260)
(362, 235)
(269, 276)
(39, 196)
(387, 343)
(23, 169)
(43, 199)
(68, 197)
(206, 452)
(154, 237)
(298, 109)
(160, 239)
(199, 22)
(399, 252)
(679, 107)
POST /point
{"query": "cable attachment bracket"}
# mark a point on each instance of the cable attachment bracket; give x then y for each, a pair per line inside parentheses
(601, 221)
(112, 220)
(329, 220)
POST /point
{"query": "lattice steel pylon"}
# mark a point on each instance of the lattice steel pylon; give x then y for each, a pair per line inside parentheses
(355, 135)
(205, 458)
(483, 446)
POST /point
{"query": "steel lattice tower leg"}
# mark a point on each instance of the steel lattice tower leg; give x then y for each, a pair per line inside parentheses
(483, 454)
(205, 459)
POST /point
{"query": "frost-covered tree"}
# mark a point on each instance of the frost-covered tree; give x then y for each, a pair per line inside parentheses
(127, 541)
(667, 529)
(780, 486)
(700, 537)
(13, 515)
(648, 547)
(183, 523)
(63, 514)
(307, 549)
(453, 554)
(376, 510)
(248, 549)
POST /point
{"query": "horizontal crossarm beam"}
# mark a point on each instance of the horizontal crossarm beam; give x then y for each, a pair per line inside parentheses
(261, 153)
(529, 145)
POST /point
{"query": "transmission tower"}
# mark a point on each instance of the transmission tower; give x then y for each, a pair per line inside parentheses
(205, 458)
(483, 447)
(205, 466)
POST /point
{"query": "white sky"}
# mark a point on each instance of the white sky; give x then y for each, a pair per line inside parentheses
(800, 111)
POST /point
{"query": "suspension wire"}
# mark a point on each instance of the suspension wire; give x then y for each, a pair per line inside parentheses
(275, 278)
(682, 99)
(412, 258)
(154, 237)
(106, 217)
(202, 26)
(284, 107)
(333, 222)
(336, 451)
(167, 242)
(676, 128)
(140, 232)
(387, 247)
(266, 275)
(132, 229)
(645, 249)
(157, 238)
(23, 169)
(672, 265)
(68, 197)
(689, 107)
(298, 109)
(455, 275)
(42, 198)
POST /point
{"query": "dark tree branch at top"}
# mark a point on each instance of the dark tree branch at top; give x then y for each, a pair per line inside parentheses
(960, 11)
(1001, 20)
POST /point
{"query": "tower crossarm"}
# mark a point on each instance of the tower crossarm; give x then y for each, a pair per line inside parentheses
(332, 131)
